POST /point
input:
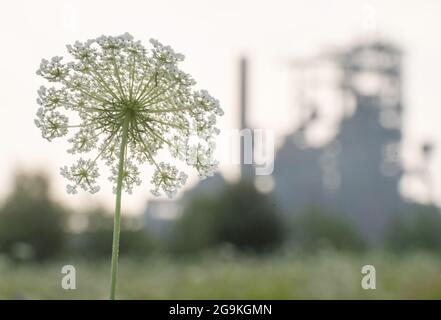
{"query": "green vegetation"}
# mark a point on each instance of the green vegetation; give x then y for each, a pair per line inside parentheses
(32, 226)
(315, 229)
(233, 246)
(325, 275)
(93, 242)
(240, 216)
(417, 230)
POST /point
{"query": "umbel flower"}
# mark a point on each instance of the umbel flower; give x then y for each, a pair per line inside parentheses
(125, 103)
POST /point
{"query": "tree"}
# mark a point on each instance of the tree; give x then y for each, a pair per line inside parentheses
(93, 241)
(30, 219)
(419, 229)
(315, 229)
(240, 216)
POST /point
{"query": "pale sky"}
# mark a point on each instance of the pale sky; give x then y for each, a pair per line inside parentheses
(212, 35)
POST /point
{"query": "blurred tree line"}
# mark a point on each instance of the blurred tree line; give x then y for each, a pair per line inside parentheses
(32, 225)
(35, 227)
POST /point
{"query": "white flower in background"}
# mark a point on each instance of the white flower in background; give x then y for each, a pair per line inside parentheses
(127, 102)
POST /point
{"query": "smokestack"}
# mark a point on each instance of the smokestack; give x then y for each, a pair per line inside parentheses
(246, 170)
(243, 93)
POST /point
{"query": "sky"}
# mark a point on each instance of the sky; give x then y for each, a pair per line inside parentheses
(213, 35)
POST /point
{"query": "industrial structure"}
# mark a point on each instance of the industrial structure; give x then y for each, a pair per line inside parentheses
(357, 172)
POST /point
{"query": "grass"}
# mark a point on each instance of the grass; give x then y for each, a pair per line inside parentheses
(326, 275)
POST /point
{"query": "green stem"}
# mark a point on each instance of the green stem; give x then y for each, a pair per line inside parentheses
(117, 217)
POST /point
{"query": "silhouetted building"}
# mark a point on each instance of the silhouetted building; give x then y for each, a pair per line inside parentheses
(358, 172)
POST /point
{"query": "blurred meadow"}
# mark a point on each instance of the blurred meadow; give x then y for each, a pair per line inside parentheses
(208, 254)
(326, 275)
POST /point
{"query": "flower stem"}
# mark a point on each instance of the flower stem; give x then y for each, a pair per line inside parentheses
(117, 217)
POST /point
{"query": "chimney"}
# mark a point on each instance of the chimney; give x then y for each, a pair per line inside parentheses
(246, 170)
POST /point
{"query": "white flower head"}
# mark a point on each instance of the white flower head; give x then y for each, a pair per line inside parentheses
(130, 176)
(83, 175)
(128, 103)
(201, 158)
(168, 179)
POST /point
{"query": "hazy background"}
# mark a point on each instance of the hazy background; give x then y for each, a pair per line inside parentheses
(222, 238)
(212, 35)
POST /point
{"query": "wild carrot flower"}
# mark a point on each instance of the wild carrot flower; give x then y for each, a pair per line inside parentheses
(125, 104)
